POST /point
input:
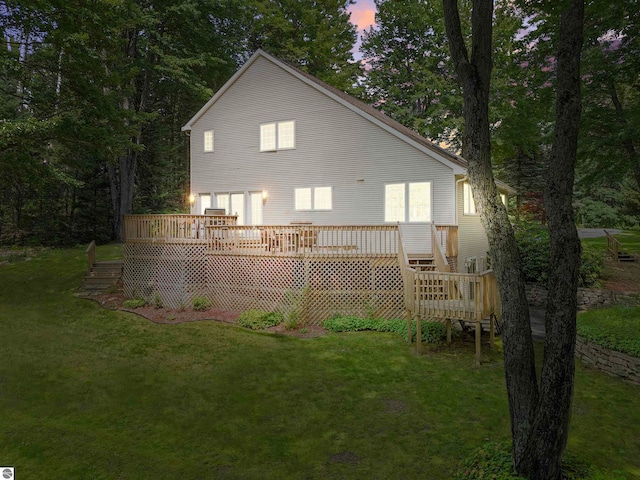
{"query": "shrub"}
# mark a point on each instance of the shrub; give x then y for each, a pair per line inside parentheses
(157, 301)
(134, 303)
(494, 461)
(533, 244)
(201, 304)
(432, 332)
(259, 319)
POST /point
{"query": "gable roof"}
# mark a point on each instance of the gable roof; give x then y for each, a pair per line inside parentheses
(457, 163)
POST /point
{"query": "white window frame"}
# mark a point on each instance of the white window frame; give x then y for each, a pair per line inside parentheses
(202, 203)
(208, 144)
(407, 202)
(242, 216)
(274, 144)
(312, 202)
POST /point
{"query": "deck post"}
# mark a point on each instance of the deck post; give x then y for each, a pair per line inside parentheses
(419, 335)
(492, 334)
(409, 336)
(478, 343)
(448, 331)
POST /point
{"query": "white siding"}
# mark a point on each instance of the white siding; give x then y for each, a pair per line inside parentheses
(472, 240)
(334, 147)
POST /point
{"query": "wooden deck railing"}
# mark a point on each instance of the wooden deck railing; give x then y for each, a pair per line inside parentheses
(447, 236)
(438, 253)
(613, 245)
(307, 240)
(408, 279)
(172, 228)
(456, 296)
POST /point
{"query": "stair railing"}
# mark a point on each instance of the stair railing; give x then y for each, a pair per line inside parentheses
(438, 254)
(613, 245)
(408, 275)
(91, 255)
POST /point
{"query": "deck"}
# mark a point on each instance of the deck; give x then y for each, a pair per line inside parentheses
(318, 270)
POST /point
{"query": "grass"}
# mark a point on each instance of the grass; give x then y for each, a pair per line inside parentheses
(616, 328)
(87, 393)
(630, 240)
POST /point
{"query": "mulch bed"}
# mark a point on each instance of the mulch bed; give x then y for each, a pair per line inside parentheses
(114, 301)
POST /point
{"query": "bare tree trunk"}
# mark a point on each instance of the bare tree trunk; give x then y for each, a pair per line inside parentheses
(550, 430)
(474, 74)
(539, 417)
(121, 181)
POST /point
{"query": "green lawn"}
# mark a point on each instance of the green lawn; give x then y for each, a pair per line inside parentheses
(617, 328)
(87, 393)
(630, 240)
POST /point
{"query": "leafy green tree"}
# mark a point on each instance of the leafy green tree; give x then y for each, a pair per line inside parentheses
(313, 35)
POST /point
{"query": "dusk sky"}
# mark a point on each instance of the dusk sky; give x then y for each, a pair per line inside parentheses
(362, 16)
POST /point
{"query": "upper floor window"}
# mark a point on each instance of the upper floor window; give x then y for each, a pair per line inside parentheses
(318, 198)
(407, 202)
(277, 136)
(208, 141)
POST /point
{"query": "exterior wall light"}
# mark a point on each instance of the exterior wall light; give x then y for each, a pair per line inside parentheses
(265, 196)
(192, 199)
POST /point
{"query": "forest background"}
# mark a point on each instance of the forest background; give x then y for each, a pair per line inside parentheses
(93, 95)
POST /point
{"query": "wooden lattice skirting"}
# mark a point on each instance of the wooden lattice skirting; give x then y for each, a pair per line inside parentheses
(316, 287)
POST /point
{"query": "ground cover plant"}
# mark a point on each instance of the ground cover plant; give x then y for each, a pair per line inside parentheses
(92, 393)
(259, 319)
(616, 328)
(432, 332)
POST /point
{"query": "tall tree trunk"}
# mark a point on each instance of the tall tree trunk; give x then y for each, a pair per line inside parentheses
(121, 180)
(550, 430)
(474, 74)
(539, 417)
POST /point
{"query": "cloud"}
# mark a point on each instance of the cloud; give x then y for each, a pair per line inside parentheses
(363, 14)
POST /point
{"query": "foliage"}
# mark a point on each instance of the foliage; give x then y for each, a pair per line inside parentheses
(134, 303)
(533, 243)
(201, 304)
(157, 301)
(259, 319)
(616, 328)
(432, 332)
(314, 35)
(493, 461)
(292, 308)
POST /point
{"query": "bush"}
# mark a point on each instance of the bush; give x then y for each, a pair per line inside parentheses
(134, 303)
(494, 461)
(201, 304)
(533, 244)
(432, 332)
(259, 319)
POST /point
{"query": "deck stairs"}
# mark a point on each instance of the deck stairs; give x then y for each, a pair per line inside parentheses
(421, 262)
(102, 276)
(625, 257)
